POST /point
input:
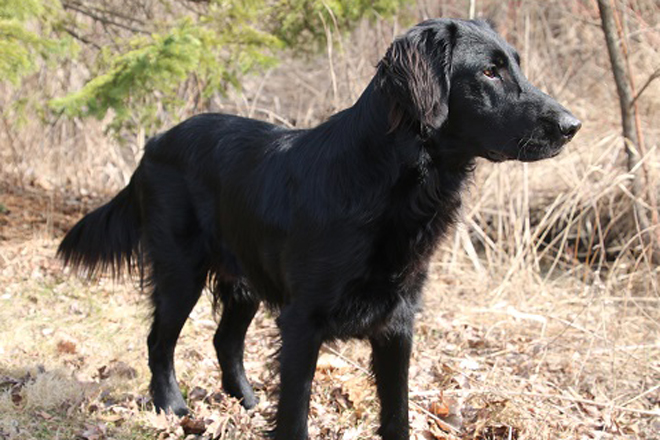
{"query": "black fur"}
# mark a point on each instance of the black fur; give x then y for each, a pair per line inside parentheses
(332, 226)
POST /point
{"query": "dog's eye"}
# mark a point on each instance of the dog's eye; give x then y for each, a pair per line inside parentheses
(491, 73)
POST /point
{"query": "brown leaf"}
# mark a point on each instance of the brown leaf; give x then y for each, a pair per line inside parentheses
(357, 390)
(66, 347)
(217, 397)
(122, 369)
(93, 432)
(217, 427)
(197, 393)
(440, 408)
(6, 381)
(159, 420)
(193, 426)
(16, 396)
(112, 418)
(341, 399)
(438, 433)
(44, 415)
(501, 431)
(103, 372)
(424, 435)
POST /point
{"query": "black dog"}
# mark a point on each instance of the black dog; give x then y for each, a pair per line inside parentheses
(333, 226)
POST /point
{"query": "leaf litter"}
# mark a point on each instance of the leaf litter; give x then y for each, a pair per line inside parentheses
(73, 357)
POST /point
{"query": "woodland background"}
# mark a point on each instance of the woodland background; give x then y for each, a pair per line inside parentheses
(542, 316)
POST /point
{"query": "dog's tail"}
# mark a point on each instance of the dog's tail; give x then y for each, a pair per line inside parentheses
(106, 238)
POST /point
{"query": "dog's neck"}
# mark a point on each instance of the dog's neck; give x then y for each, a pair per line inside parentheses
(370, 119)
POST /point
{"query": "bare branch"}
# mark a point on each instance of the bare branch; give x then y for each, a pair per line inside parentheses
(655, 75)
(631, 128)
(81, 38)
(103, 20)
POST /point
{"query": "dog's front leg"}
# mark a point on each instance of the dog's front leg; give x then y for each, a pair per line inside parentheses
(301, 341)
(391, 360)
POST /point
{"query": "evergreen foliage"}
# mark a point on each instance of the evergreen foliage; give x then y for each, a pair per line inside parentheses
(139, 76)
(20, 47)
(301, 22)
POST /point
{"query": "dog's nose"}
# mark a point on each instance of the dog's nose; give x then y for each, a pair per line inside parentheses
(569, 125)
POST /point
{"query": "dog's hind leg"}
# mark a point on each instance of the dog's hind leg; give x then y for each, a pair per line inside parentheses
(176, 247)
(177, 289)
(238, 310)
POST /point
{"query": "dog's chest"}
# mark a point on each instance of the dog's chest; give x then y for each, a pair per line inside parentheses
(422, 208)
(401, 250)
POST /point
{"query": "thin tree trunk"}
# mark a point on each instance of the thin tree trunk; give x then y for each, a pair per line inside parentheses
(631, 139)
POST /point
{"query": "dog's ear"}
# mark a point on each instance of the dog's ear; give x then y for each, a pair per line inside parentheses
(415, 74)
(488, 23)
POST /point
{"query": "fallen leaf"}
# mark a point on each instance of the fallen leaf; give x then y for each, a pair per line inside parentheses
(340, 399)
(122, 369)
(329, 361)
(16, 396)
(66, 347)
(44, 415)
(8, 381)
(103, 372)
(217, 397)
(217, 427)
(425, 435)
(93, 432)
(440, 408)
(112, 418)
(158, 420)
(358, 390)
(197, 393)
(193, 426)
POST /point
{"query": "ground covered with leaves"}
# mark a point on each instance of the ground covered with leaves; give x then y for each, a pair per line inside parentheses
(499, 354)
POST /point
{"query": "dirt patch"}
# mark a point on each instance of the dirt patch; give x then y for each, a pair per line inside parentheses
(27, 212)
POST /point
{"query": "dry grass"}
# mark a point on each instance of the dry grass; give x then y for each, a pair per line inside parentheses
(542, 315)
(495, 356)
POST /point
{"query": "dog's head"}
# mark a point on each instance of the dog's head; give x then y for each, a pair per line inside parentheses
(459, 79)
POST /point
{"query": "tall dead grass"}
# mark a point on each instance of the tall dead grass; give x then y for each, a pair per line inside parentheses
(576, 208)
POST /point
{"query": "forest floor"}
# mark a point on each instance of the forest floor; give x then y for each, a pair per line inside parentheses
(497, 355)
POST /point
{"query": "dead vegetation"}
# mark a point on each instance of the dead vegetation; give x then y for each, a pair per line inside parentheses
(542, 317)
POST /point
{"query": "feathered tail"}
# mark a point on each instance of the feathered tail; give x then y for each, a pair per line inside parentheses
(106, 238)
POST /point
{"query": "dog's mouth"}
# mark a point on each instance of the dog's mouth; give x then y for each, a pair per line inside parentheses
(540, 152)
(528, 153)
(496, 156)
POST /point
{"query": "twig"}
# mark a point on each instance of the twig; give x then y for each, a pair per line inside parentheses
(103, 20)
(649, 391)
(613, 299)
(655, 413)
(627, 348)
(444, 425)
(109, 12)
(654, 75)
(348, 360)
(81, 38)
